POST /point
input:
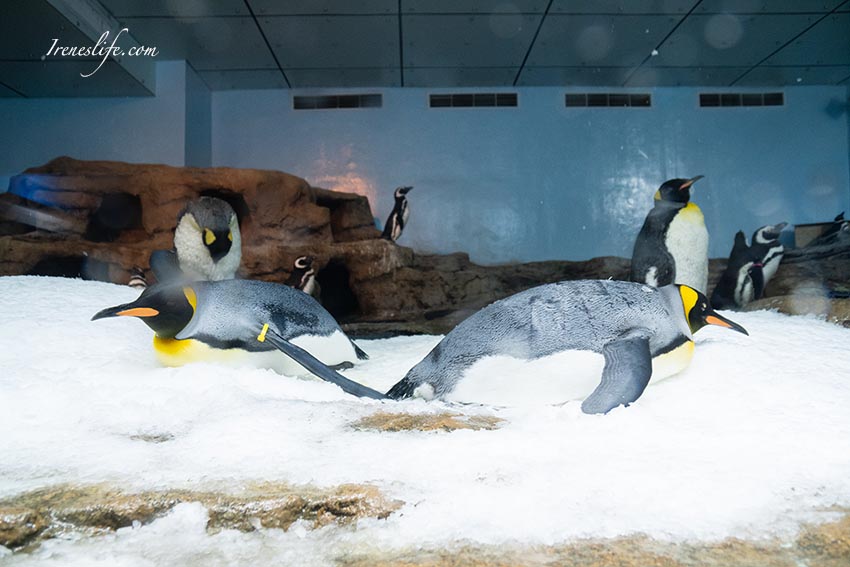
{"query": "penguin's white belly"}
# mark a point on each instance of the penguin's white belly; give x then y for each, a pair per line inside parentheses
(333, 349)
(687, 242)
(561, 377)
(771, 264)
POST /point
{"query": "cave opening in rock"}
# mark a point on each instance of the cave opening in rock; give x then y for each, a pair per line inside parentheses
(235, 200)
(71, 266)
(117, 213)
(337, 296)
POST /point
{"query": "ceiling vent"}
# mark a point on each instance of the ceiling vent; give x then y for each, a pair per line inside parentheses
(337, 101)
(469, 100)
(610, 100)
(741, 99)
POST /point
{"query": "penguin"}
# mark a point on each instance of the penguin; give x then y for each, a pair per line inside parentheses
(303, 276)
(672, 246)
(241, 322)
(768, 251)
(742, 280)
(399, 215)
(838, 232)
(642, 333)
(137, 278)
(207, 244)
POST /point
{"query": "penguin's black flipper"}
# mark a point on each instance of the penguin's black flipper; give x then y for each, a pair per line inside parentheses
(757, 277)
(165, 266)
(320, 369)
(628, 367)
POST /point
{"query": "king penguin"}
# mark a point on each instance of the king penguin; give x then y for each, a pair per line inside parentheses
(303, 276)
(743, 279)
(672, 246)
(768, 251)
(399, 215)
(629, 333)
(207, 244)
(241, 322)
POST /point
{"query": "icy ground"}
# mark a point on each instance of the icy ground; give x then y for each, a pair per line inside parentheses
(753, 438)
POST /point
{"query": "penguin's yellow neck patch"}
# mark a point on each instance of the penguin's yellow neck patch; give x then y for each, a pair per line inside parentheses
(689, 298)
(191, 297)
(177, 352)
(692, 212)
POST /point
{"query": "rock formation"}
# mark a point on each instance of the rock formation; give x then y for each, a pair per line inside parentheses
(99, 219)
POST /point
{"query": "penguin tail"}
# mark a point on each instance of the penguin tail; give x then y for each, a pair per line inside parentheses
(361, 354)
(403, 389)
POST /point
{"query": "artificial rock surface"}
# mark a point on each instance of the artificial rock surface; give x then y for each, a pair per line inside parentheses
(100, 219)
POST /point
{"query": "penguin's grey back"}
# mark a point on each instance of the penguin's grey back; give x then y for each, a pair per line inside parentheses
(234, 310)
(571, 315)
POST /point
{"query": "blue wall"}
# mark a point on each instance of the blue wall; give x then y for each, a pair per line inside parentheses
(542, 181)
(198, 123)
(139, 129)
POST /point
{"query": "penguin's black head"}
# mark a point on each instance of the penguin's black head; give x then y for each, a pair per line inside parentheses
(216, 224)
(768, 233)
(402, 191)
(676, 190)
(700, 313)
(166, 309)
(303, 262)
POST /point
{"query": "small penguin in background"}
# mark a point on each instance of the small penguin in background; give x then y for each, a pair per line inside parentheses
(768, 251)
(137, 278)
(207, 244)
(242, 323)
(838, 232)
(672, 246)
(399, 215)
(303, 276)
(742, 280)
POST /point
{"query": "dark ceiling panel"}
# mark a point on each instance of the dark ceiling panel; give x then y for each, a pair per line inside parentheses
(613, 41)
(765, 6)
(176, 8)
(207, 43)
(467, 41)
(338, 7)
(649, 76)
(243, 79)
(459, 76)
(729, 40)
(573, 76)
(680, 7)
(349, 77)
(827, 43)
(799, 76)
(484, 7)
(62, 79)
(27, 30)
(311, 42)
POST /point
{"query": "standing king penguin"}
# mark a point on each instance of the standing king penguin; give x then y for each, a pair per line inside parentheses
(303, 276)
(672, 246)
(242, 322)
(207, 244)
(399, 215)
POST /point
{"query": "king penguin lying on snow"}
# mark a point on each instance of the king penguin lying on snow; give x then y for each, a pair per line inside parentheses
(672, 246)
(641, 333)
(241, 321)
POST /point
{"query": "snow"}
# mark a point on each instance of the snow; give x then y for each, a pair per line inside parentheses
(752, 439)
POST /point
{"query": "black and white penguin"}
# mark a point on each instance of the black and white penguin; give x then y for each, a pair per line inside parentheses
(399, 215)
(742, 280)
(562, 337)
(137, 279)
(672, 246)
(207, 244)
(768, 251)
(837, 233)
(303, 276)
(239, 322)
